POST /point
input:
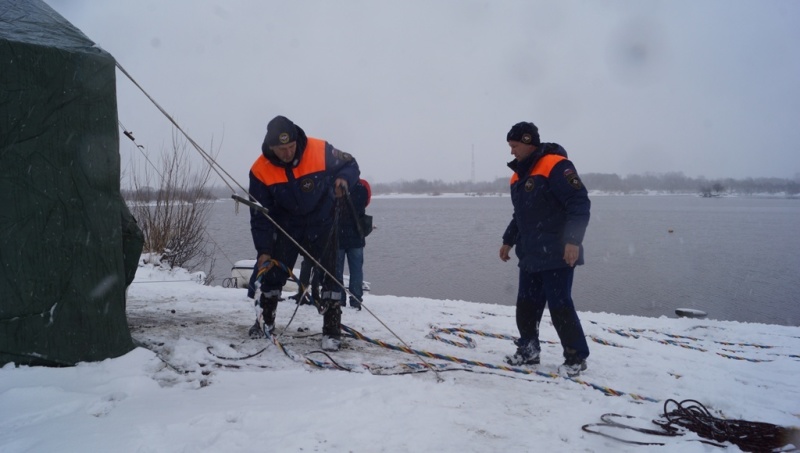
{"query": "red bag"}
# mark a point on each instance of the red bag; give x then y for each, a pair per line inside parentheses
(364, 183)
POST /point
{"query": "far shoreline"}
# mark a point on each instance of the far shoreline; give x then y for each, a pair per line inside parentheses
(592, 193)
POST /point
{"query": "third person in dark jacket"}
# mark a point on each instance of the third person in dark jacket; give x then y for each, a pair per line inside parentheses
(352, 242)
(551, 212)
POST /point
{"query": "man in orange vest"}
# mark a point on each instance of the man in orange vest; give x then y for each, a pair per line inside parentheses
(298, 179)
(551, 212)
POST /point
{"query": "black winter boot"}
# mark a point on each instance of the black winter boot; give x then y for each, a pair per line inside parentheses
(527, 354)
(332, 325)
(265, 322)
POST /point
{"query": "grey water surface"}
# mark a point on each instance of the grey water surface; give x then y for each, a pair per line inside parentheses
(737, 258)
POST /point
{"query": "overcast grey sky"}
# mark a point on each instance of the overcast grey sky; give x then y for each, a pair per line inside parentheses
(710, 88)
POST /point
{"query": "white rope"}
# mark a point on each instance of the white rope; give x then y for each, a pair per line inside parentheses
(206, 156)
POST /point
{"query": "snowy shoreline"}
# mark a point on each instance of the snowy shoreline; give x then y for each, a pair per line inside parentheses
(185, 387)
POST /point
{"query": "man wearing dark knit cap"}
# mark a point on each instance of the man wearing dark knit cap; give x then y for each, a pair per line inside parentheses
(551, 212)
(298, 179)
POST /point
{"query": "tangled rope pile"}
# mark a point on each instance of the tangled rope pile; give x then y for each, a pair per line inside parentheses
(747, 435)
(693, 416)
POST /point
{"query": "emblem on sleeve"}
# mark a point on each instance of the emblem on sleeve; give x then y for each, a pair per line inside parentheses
(574, 181)
(529, 185)
(341, 155)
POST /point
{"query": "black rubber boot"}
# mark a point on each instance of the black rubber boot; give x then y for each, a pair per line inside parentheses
(332, 319)
(270, 306)
(265, 322)
(332, 326)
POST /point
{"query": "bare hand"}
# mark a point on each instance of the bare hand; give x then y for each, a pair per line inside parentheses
(261, 260)
(571, 254)
(340, 187)
(504, 252)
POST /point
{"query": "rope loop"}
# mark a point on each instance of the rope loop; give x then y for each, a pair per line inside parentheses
(469, 342)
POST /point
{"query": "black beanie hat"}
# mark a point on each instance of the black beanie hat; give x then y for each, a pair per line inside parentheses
(280, 131)
(523, 132)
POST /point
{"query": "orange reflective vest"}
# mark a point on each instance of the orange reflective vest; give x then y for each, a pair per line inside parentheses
(312, 161)
(543, 166)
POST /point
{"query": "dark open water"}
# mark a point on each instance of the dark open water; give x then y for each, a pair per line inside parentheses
(736, 258)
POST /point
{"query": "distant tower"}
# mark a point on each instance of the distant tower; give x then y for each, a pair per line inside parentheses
(472, 178)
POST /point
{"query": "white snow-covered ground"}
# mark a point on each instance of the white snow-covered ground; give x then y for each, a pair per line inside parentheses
(187, 388)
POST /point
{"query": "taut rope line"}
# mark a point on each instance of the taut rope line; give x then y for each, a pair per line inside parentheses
(207, 157)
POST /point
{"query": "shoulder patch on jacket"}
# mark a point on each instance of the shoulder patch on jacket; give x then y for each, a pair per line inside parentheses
(573, 179)
(341, 155)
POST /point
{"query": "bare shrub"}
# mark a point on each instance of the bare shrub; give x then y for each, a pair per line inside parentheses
(172, 204)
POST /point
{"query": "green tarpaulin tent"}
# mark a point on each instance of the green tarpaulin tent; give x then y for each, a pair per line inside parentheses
(65, 232)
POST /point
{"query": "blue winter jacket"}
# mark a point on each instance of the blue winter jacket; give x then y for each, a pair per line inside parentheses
(299, 195)
(551, 209)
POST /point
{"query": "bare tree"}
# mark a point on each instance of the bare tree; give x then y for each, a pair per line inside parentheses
(172, 204)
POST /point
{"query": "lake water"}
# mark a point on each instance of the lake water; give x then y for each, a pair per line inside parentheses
(736, 258)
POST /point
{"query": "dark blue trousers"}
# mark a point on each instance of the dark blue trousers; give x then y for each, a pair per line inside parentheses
(554, 289)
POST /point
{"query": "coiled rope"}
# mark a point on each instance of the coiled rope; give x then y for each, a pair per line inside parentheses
(747, 435)
(693, 416)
